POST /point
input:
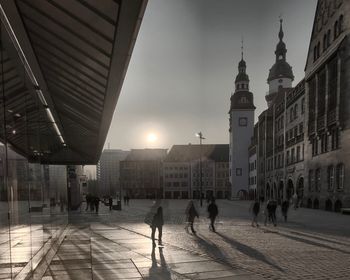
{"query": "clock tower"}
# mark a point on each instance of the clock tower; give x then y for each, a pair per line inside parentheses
(241, 131)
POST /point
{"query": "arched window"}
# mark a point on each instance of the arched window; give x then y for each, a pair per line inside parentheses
(330, 175)
(341, 20)
(328, 38)
(336, 28)
(325, 42)
(340, 176)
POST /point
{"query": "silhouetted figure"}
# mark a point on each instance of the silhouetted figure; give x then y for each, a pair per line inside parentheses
(295, 201)
(284, 208)
(271, 211)
(191, 213)
(255, 209)
(88, 201)
(127, 200)
(157, 223)
(110, 203)
(213, 212)
(96, 203)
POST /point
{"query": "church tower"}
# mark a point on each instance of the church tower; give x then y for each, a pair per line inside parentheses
(281, 74)
(241, 131)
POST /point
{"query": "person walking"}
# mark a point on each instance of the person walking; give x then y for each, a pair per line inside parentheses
(97, 203)
(213, 212)
(272, 211)
(284, 208)
(266, 212)
(255, 209)
(157, 223)
(110, 203)
(191, 213)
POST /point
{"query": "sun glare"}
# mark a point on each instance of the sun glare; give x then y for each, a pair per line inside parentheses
(152, 137)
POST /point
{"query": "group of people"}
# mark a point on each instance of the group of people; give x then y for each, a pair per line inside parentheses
(92, 203)
(157, 221)
(269, 211)
(126, 200)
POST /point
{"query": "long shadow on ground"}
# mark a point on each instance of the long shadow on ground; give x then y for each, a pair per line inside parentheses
(249, 251)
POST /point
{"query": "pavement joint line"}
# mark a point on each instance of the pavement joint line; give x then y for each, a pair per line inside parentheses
(145, 256)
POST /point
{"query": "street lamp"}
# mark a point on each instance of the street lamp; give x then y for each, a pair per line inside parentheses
(200, 136)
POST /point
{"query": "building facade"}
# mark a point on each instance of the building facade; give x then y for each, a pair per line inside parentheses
(302, 138)
(141, 173)
(327, 76)
(108, 171)
(241, 130)
(181, 171)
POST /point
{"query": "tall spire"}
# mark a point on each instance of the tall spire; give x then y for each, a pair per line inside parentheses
(281, 34)
(242, 48)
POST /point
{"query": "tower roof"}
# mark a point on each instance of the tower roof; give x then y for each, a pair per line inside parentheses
(281, 68)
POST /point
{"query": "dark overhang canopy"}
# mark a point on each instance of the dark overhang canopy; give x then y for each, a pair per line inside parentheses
(64, 62)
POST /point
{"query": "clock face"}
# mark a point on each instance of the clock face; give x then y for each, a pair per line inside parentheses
(242, 121)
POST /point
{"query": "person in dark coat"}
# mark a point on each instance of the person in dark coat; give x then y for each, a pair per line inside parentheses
(271, 208)
(110, 203)
(157, 223)
(255, 209)
(213, 212)
(284, 208)
(191, 213)
(97, 203)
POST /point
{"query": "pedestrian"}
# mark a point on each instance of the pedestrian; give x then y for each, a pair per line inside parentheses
(97, 203)
(157, 223)
(272, 207)
(213, 212)
(127, 200)
(255, 209)
(110, 203)
(88, 201)
(266, 211)
(191, 213)
(284, 208)
(295, 201)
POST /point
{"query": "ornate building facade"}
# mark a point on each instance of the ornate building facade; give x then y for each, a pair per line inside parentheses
(301, 142)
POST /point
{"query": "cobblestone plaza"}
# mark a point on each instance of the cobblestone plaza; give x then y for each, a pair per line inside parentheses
(117, 245)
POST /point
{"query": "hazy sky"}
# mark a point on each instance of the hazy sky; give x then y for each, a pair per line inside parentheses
(183, 67)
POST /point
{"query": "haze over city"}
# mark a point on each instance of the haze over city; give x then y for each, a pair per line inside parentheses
(182, 70)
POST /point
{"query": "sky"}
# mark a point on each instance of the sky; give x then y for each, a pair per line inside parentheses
(181, 74)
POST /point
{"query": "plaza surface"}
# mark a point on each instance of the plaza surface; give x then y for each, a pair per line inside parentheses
(313, 244)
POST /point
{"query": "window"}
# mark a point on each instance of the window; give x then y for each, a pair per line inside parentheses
(298, 153)
(328, 38)
(335, 139)
(314, 147)
(341, 20)
(287, 157)
(303, 106)
(301, 128)
(324, 143)
(318, 180)
(291, 114)
(332, 83)
(315, 53)
(295, 111)
(238, 171)
(293, 155)
(340, 176)
(311, 180)
(336, 28)
(324, 42)
(330, 176)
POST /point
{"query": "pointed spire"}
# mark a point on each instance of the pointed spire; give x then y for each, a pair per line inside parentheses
(281, 34)
(242, 47)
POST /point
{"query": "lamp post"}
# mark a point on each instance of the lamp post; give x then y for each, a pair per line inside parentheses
(200, 136)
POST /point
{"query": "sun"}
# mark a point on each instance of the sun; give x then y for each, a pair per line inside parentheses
(152, 137)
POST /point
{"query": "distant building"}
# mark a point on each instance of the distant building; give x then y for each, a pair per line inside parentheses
(181, 171)
(242, 111)
(141, 173)
(252, 150)
(108, 171)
